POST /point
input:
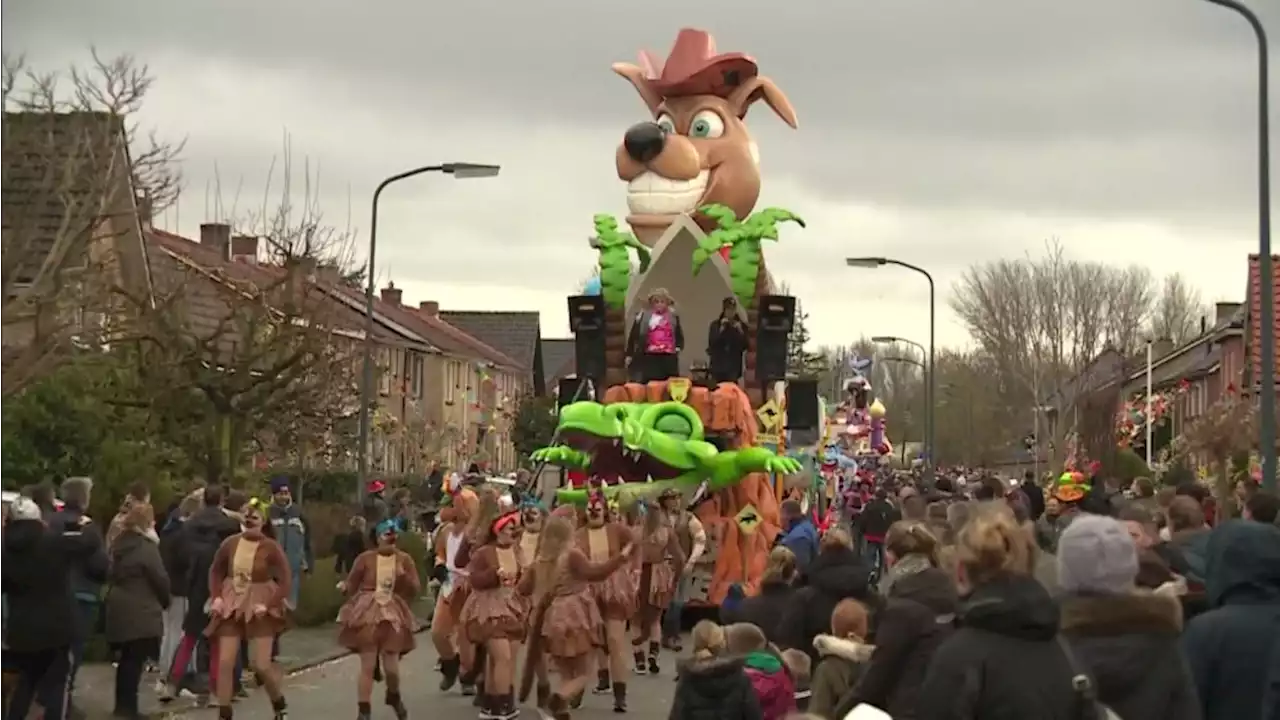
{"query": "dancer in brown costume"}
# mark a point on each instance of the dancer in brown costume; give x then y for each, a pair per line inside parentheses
(533, 517)
(566, 624)
(456, 655)
(376, 622)
(249, 580)
(494, 616)
(661, 562)
(600, 538)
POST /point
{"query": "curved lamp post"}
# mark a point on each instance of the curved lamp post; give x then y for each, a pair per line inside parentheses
(926, 370)
(1266, 271)
(875, 262)
(460, 171)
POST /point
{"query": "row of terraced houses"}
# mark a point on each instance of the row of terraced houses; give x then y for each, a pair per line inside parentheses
(459, 373)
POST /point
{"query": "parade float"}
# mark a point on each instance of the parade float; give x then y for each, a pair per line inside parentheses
(692, 182)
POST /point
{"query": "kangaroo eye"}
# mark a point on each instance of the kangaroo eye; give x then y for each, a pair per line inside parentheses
(706, 124)
(665, 122)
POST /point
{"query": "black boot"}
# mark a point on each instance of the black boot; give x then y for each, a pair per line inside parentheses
(575, 702)
(449, 672)
(363, 711)
(557, 708)
(654, 649)
(484, 701)
(396, 704)
(619, 697)
(225, 712)
(641, 667)
(544, 694)
(280, 708)
(504, 707)
(602, 682)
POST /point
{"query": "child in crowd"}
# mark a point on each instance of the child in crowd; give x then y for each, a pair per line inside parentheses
(712, 685)
(798, 666)
(764, 667)
(843, 654)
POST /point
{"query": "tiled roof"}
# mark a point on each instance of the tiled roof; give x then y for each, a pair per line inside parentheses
(60, 173)
(515, 334)
(174, 257)
(558, 359)
(439, 333)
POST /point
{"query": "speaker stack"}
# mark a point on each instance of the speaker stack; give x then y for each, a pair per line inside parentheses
(776, 316)
(587, 321)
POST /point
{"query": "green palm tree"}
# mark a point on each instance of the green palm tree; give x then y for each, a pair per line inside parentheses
(743, 240)
(615, 261)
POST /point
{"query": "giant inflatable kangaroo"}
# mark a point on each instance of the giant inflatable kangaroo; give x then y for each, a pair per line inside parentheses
(694, 151)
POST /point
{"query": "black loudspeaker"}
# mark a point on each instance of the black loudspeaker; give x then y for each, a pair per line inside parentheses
(586, 313)
(802, 404)
(573, 389)
(586, 319)
(774, 321)
(777, 313)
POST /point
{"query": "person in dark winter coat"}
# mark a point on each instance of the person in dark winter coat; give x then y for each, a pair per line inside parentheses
(835, 574)
(1004, 661)
(1234, 648)
(88, 574)
(712, 686)
(765, 610)
(799, 534)
(1035, 495)
(918, 617)
(348, 546)
(42, 615)
(136, 601)
(1128, 641)
(198, 541)
(872, 524)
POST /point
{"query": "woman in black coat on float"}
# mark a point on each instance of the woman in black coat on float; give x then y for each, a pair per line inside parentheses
(1004, 662)
(765, 610)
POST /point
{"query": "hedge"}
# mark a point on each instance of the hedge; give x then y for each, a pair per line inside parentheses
(319, 600)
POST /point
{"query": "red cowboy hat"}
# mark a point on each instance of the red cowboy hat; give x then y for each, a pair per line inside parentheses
(693, 67)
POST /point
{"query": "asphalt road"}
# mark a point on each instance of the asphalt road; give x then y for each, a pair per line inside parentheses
(328, 691)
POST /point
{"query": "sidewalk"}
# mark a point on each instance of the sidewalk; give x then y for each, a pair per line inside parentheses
(300, 649)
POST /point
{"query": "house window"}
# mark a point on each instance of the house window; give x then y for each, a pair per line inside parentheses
(450, 381)
(418, 364)
(384, 371)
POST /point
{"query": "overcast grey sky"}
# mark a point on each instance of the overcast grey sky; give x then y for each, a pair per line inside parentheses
(940, 132)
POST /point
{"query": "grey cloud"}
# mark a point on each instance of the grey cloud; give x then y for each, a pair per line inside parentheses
(1139, 108)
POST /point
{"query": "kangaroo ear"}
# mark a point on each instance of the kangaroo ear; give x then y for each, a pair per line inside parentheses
(640, 81)
(761, 88)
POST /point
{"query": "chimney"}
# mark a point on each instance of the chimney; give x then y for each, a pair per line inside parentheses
(244, 248)
(392, 294)
(142, 201)
(218, 237)
(429, 307)
(1223, 311)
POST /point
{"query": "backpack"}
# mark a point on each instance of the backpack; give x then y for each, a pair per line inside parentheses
(1090, 708)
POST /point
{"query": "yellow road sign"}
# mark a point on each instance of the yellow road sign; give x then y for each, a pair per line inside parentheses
(679, 388)
(748, 519)
(770, 416)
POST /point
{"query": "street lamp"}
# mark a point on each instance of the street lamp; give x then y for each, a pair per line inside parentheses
(875, 262)
(460, 171)
(1266, 271)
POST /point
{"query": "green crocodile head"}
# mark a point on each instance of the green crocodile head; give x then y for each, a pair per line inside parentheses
(632, 442)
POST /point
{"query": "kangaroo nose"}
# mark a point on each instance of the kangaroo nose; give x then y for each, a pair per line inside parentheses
(644, 141)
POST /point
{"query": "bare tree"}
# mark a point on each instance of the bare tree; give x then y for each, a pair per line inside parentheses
(77, 171)
(244, 354)
(1178, 311)
(1042, 322)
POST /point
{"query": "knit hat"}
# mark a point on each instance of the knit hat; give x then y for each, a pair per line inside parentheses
(1096, 555)
(24, 508)
(279, 483)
